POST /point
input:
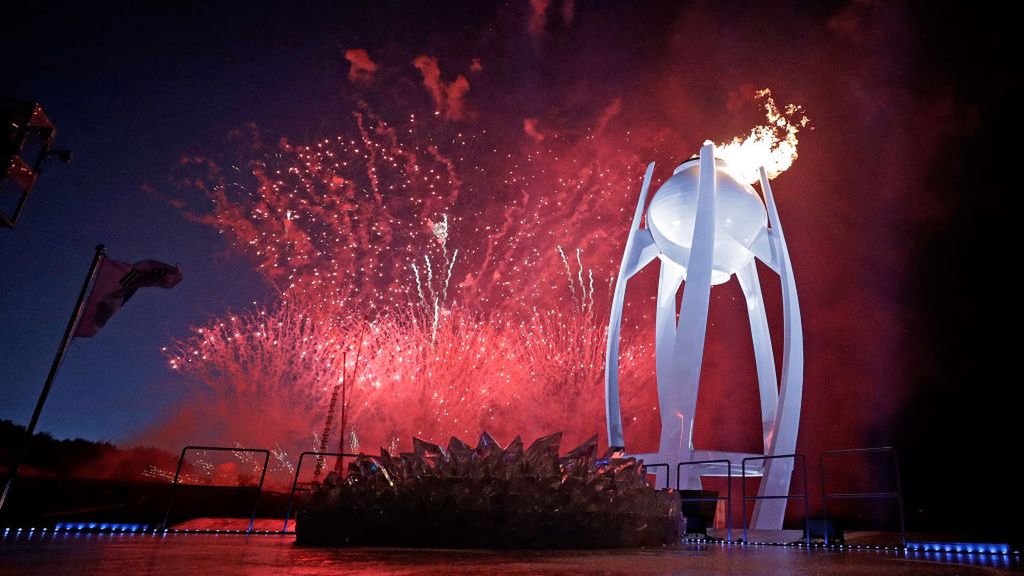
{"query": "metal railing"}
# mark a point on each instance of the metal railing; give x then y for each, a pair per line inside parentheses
(897, 494)
(728, 490)
(295, 479)
(181, 460)
(798, 459)
(658, 465)
(803, 467)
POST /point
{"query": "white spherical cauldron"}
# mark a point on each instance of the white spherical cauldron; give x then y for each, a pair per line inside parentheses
(739, 217)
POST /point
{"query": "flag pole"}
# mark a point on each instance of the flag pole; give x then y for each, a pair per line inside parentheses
(57, 360)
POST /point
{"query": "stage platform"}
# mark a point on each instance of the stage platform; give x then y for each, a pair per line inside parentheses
(156, 553)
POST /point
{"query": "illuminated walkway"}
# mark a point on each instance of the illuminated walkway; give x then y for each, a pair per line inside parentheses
(129, 555)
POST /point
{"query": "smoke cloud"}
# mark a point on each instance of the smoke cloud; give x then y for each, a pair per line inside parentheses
(448, 96)
(362, 68)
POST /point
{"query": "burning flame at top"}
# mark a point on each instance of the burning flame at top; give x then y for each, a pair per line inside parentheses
(772, 145)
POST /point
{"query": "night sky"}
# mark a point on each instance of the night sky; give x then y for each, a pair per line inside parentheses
(896, 211)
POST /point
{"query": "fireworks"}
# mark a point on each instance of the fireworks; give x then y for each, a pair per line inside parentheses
(468, 311)
(337, 217)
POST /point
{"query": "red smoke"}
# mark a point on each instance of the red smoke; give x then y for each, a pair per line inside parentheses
(530, 127)
(362, 67)
(538, 16)
(448, 96)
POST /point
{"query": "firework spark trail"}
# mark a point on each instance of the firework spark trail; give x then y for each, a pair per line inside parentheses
(568, 272)
(371, 168)
(436, 318)
(453, 184)
(159, 473)
(488, 267)
(281, 457)
(441, 234)
(430, 278)
(448, 276)
(353, 442)
(583, 286)
(419, 284)
(590, 277)
(248, 458)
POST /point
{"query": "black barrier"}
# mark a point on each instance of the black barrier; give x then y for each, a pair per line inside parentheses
(295, 479)
(803, 467)
(728, 490)
(897, 494)
(181, 460)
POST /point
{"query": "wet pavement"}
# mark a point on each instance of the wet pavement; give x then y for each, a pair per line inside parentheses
(129, 555)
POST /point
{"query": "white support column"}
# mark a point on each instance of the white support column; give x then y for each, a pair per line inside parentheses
(764, 358)
(769, 514)
(670, 386)
(630, 257)
(688, 349)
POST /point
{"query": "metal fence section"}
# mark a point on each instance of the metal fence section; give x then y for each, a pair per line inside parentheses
(797, 458)
(897, 494)
(728, 490)
(295, 479)
(659, 465)
(181, 461)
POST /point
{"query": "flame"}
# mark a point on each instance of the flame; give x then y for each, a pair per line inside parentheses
(772, 145)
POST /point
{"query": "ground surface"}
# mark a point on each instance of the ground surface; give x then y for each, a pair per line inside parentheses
(277, 555)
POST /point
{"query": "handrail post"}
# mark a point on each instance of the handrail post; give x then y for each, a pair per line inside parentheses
(259, 491)
(824, 500)
(291, 494)
(728, 490)
(743, 506)
(728, 500)
(899, 497)
(807, 515)
(174, 485)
